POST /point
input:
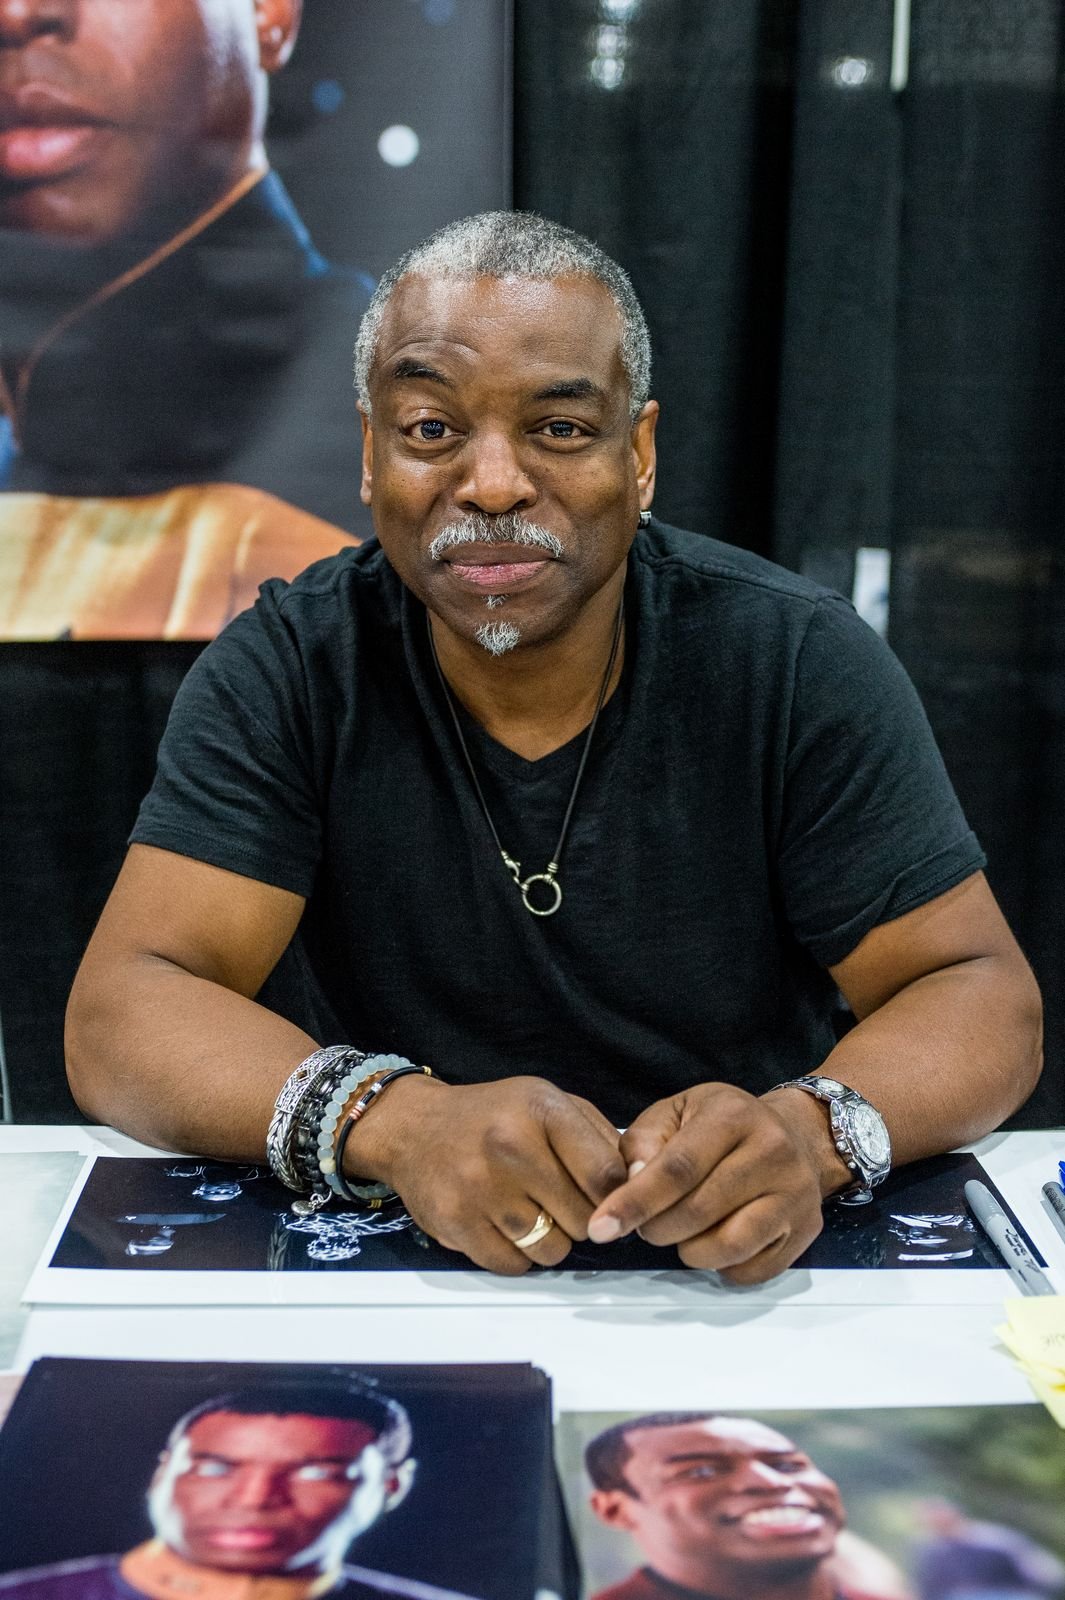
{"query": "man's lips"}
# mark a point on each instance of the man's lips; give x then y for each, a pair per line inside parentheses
(500, 575)
(247, 1538)
(488, 568)
(44, 134)
(779, 1521)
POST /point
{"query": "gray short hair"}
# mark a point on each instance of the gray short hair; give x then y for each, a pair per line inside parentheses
(519, 244)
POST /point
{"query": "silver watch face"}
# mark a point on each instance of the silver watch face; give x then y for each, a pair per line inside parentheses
(872, 1146)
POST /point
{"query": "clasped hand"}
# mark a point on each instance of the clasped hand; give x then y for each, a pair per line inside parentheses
(728, 1178)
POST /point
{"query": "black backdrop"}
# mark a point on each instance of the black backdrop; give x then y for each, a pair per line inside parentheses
(856, 300)
(855, 297)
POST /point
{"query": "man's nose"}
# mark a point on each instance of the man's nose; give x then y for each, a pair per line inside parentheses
(22, 21)
(494, 479)
(256, 1488)
(762, 1475)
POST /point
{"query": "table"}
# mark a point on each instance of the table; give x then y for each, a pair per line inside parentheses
(667, 1353)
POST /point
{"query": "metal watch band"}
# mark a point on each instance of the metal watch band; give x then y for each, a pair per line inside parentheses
(845, 1106)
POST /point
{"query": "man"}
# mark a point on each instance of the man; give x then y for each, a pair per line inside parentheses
(962, 1558)
(172, 371)
(592, 823)
(729, 1508)
(261, 1491)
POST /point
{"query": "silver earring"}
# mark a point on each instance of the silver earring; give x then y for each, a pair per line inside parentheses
(645, 517)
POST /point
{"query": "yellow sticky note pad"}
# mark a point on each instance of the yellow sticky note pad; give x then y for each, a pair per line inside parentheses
(1035, 1335)
(1037, 1327)
(1052, 1375)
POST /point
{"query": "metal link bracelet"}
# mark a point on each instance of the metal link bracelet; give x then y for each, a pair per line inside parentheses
(297, 1088)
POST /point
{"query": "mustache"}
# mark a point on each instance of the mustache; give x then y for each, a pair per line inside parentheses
(507, 528)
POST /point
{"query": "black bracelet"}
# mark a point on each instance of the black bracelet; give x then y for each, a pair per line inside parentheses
(362, 1193)
(304, 1149)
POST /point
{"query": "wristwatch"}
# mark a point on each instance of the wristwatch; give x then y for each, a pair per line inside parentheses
(859, 1133)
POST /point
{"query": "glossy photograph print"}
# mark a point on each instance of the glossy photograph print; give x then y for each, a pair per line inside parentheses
(180, 1214)
(958, 1503)
(212, 1479)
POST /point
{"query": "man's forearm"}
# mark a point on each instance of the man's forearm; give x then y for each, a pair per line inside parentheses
(178, 1061)
(944, 1061)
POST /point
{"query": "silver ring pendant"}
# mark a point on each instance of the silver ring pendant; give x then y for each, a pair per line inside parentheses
(541, 877)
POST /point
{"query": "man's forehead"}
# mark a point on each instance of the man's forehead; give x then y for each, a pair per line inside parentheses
(571, 319)
(278, 1435)
(714, 1436)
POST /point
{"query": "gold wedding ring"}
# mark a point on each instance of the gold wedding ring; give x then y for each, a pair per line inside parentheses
(539, 1230)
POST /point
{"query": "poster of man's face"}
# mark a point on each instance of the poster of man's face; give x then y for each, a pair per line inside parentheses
(426, 1482)
(196, 197)
(892, 1504)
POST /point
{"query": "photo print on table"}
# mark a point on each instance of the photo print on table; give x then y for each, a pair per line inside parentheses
(215, 1479)
(958, 1503)
(183, 1214)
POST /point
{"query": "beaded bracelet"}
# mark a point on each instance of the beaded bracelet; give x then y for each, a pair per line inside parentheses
(380, 1067)
(296, 1090)
(367, 1191)
(305, 1156)
(315, 1136)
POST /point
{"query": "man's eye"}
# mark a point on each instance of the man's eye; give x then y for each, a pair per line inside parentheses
(318, 1472)
(209, 1469)
(430, 429)
(703, 1470)
(563, 430)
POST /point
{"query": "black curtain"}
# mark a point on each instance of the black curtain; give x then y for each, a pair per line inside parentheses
(79, 725)
(850, 245)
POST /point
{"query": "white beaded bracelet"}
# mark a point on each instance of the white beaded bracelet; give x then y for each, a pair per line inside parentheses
(372, 1067)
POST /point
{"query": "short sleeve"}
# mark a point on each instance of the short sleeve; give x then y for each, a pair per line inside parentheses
(235, 782)
(871, 827)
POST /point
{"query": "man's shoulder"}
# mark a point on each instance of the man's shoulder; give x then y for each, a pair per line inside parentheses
(661, 548)
(88, 1576)
(363, 1583)
(643, 1584)
(356, 577)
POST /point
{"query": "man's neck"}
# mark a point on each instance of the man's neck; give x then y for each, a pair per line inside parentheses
(65, 272)
(70, 281)
(810, 1581)
(537, 697)
(210, 196)
(159, 1573)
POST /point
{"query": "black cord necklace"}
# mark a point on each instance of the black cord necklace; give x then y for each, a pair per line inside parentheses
(550, 873)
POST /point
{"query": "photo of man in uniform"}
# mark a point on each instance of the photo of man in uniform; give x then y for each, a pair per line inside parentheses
(259, 1492)
(726, 1507)
(174, 371)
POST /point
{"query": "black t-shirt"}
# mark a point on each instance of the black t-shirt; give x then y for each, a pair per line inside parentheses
(762, 790)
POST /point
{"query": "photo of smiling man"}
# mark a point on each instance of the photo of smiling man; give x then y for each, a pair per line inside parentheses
(726, 1507)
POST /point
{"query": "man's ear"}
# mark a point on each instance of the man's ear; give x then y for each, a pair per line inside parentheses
(366, 489)
(613, 1506)
(399, 1482)
(643, 450)
(277, 23)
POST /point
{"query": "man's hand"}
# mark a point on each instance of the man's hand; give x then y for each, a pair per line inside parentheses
(476, 1164)
(734, 1182)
